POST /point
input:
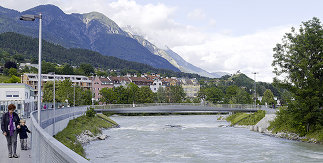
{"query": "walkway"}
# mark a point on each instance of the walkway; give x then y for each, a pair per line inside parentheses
(24, 156)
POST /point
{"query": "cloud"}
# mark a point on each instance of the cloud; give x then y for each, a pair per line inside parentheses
(196, 14)
(247, 53)
(156, 22)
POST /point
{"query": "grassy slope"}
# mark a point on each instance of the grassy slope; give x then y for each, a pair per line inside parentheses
(77, 126)
(245, 118)
(3, 78)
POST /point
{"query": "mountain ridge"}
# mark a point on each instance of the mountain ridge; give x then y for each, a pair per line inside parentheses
(70, 31)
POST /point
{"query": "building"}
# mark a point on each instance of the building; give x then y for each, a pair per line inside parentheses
(32, 80)
(98, 83)
(120, 81)
(156, 85)
(191, 87)
(20, 94)
(141, 81)
(170, 81)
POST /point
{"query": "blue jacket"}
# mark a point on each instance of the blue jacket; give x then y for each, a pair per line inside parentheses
(23, 132)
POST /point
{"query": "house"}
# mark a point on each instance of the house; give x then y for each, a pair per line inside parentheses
(98, 83)
(20, 94)
(170, 81)
(141, 81)
(120, 81)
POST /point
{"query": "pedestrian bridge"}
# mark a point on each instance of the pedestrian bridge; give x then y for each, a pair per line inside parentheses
(179, 108)
(45, 148)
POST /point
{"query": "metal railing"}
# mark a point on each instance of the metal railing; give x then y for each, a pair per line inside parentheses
(23, 108)
(208, 104)
(46, 148)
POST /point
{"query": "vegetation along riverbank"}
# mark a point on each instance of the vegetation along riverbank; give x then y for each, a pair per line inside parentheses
(84, 129)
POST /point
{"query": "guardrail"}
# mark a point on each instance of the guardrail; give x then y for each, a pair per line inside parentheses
(208, 104)
(45, 148)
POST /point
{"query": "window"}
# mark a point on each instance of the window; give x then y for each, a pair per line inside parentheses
(12, 94)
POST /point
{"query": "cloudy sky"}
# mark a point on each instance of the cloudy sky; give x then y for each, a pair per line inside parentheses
(216, 35)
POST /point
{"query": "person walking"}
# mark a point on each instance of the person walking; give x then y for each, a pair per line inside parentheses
(23, 134)
(9, 125)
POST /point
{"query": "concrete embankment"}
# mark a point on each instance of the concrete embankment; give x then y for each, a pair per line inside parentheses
(263, 124)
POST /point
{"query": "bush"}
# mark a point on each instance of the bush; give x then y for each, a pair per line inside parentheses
(90, 112)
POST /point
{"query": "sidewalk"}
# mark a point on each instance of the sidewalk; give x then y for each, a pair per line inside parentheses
(24, 156)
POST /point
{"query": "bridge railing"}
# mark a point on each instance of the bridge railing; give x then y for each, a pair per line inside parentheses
(45, 148)
(208, 104)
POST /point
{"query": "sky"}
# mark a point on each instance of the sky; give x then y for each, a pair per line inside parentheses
(215, 35)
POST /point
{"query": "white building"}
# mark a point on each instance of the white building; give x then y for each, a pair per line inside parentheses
(32, 80)
(156, 85)
(22, 95)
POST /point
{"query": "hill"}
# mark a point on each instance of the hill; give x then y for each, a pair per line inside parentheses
(27, 48)
(92, 31)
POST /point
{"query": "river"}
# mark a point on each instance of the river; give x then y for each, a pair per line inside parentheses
(194, 138)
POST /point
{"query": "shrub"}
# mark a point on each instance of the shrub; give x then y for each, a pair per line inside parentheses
(90, 112)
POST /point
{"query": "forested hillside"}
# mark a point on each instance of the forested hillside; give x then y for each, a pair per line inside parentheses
(26, 48)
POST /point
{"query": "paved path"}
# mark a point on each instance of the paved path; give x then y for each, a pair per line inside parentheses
(24, 156)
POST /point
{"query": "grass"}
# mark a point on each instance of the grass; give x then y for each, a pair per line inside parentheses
(4, 78)
(76, 126)
(246, 118)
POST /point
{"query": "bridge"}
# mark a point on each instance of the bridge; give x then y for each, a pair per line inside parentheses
(180, 108)
(45, 148)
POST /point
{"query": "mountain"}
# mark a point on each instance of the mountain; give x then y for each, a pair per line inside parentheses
(172, 57)
(25, 48)
(92, 31)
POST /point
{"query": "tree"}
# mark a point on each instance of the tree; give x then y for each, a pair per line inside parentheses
(13, 79)
(10, 64)
(86, 69)
(145, 95)
(47, 67)
(132, 90)
(177, 94)
(108, 95)
(13, 71)
(214, 95)
(161, 95)
(268, 97)
(67, 69)
(299, 58)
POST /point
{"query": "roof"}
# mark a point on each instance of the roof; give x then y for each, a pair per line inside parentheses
(143, 79)
(15, 85)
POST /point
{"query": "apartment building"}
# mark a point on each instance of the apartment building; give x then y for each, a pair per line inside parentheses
(32, 80)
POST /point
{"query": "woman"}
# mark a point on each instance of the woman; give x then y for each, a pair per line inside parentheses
(9, 125)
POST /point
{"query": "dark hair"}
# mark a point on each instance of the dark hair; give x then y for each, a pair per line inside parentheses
(11, 107)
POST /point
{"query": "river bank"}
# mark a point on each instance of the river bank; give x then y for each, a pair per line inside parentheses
(263, 124)
(84, 129)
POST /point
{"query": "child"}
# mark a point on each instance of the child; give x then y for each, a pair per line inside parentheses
(23, 134)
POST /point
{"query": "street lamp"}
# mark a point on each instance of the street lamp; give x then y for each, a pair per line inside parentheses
(32, 18)
(255, 88)
(54, 100)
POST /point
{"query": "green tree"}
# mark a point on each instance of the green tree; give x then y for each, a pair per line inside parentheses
(108, 95)
(67, 69)
(145, 95)
(299, 58)
(177, 94)
(13, 71)
(13, 79)
(86, 69)
(161, 95)
(214, 95)
(268, 97)
(132, 90)
(48, 91)
(47, 67)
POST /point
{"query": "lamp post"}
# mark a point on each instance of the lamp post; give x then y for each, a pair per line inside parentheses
(255, 88)
(54, 100)
(32, 18)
